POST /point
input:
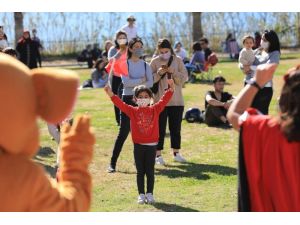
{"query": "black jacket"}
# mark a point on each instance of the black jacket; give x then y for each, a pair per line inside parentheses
(29, 53)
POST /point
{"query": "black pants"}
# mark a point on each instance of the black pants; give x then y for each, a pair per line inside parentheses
(123, 132)
(263, 99)
(213, 115)
(116, 87)
(174, 116)
(144, 157)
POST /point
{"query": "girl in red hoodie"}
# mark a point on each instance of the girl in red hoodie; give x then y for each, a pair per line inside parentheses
(145, 133)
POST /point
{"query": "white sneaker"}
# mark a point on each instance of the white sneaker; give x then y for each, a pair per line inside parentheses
(159, 160)
(150, 198)
(179, 158)
(141, 199)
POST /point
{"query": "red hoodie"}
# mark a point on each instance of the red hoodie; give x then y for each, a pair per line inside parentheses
(144, 120)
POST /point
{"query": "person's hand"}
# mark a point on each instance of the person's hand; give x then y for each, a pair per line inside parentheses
(77, 142)
(264, 73)
(226, 105)
(161, 71)
(108, 91)
(246, 69)
(171, 84)
(171, 70)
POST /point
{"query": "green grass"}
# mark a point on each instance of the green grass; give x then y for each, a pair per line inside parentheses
(208, 182)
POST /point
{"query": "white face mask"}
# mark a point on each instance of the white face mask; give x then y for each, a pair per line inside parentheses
(264, 44)
(143, 102)
(165, 56)
(122, 41)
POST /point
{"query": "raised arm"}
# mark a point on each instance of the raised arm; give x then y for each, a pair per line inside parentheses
(166, 97)
(264, 73)
(118, 102)
(73, 191)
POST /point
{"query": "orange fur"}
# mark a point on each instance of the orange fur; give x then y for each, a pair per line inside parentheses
(50, 94)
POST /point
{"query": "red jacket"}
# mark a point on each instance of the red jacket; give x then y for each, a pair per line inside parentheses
(144, 120)
(272, 166)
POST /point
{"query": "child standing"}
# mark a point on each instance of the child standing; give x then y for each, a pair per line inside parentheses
(145, 133)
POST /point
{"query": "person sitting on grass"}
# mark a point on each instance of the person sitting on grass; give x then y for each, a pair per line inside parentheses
(99, 76)
(145, 133)
(197, 61)
(204, 45)
(217, 103)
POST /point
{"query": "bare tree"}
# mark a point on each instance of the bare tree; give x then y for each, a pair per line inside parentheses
(197, 26)
(298, 28)
(18, 17)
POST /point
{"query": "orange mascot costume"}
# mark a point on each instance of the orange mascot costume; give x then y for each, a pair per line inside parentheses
(50, 94)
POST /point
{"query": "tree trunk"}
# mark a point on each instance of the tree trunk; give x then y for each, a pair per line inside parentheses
(197, 26)
(18, 16)
(298, 29)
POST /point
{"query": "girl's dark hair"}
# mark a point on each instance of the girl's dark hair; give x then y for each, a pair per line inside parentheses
(120, 32)
(289, 104)
(165, 43)
(130, 45)
(272, 38)
(142, 88)
(97, 63)
(229, 37)
(196, 46)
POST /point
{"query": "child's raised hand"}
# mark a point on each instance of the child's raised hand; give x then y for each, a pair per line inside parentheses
(108, 91)
(171, 84)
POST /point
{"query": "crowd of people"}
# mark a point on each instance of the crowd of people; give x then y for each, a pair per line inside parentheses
(149, 96)
(27, 49)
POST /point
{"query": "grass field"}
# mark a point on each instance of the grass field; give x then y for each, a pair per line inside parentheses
(208, 182)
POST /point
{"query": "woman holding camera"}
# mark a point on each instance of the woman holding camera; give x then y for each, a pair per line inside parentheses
(165, 65)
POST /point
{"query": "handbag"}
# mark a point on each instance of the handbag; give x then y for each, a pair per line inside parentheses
(155, 86)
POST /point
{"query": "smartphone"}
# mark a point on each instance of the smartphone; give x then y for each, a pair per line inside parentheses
(169, 76)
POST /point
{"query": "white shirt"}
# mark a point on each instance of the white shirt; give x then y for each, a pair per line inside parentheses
(247, 56)
(181, 53)
(130, 31)
(3, 44)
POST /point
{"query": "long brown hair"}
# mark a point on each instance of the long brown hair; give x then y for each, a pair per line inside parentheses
(164, 43)
(289, 104)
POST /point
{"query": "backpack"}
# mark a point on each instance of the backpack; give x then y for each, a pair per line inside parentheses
(87, 84)
(193, 115)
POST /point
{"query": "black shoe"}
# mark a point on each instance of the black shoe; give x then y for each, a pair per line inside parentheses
(111, 169)
(226, 125)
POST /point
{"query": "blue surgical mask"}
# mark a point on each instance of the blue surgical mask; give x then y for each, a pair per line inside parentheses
(165, 56)
(138, 52)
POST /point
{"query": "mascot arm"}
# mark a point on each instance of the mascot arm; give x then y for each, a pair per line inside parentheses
(73, 191)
